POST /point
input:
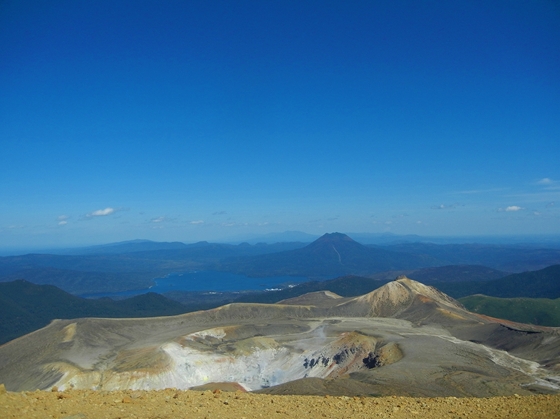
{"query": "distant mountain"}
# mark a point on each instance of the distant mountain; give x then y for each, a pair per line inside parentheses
(543, 283)
(455, 273)
(286, 236)
(509, 258)
(385, 238)
(83, 282)
(540, 311)
(116, 271)
(134, 265)
(330, 255)
(126, 247)
(25, 307)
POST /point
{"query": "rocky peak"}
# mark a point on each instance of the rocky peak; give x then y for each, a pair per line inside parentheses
(334, 238)
(396, 296)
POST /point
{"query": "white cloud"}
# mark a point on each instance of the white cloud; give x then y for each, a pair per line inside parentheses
(197, 222)
(158, 220)
(101, 212)
(513, 208)
(62, 223)
(545, 181)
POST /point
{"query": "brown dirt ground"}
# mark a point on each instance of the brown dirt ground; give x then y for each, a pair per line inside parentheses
(171, 404)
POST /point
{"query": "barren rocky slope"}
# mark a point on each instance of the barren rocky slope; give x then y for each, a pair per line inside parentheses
(402, 339)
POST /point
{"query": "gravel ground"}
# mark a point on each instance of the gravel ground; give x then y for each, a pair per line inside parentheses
(171, 404)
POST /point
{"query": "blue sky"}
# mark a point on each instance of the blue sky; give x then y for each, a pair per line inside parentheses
(212, 120)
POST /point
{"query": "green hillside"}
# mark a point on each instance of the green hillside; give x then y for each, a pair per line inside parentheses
(544, 283)
(25, 307)
(540, 311)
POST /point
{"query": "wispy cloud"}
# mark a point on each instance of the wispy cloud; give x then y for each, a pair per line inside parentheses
(101, 212)
(230, 224)
(545, 181)
(63, 220)
(511, 208)
(444, 206)
(550, 204)
(197, 222)
(548, 194)
(549, 184)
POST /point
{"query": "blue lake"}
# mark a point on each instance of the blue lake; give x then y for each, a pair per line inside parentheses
(208, 281)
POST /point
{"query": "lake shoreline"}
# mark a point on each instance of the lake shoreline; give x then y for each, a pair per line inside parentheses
(205, 282)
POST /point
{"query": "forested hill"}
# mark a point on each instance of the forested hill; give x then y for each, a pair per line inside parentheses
(25, 307)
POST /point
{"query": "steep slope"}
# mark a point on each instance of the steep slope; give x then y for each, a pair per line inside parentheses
(403, 338)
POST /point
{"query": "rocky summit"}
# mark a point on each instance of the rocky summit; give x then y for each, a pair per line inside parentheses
(404, 338)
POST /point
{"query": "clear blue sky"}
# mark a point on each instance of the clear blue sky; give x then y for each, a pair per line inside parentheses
(210, 120)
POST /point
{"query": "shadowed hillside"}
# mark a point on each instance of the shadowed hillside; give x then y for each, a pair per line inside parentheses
(541, 311)
(25, 307)
(544, 283)
(508, 258)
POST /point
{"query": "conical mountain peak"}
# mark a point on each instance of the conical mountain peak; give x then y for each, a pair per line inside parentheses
(397, 296)
(334, 238)
(337, 241)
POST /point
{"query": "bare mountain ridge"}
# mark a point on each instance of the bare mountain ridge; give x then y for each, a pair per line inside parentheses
(404, 338)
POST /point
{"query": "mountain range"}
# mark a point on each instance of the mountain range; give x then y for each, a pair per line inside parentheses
(134, 265)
